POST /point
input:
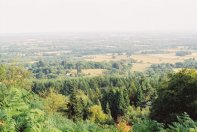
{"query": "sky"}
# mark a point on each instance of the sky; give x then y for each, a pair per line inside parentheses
(18, 16)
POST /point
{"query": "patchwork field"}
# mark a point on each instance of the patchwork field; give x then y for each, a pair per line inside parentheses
(143, 60)
(140, 67)
(162, 58)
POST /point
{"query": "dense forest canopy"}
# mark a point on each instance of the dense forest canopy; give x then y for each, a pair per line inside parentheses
(137, 102)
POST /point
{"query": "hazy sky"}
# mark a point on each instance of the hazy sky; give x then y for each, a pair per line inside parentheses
(96, 15)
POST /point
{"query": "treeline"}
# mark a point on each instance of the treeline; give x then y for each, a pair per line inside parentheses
(62, 69)
(183, 53)
(155, 52)
(56, 69)
(190, 63)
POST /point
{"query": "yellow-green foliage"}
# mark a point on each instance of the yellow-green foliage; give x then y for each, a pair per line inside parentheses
(97, 114)
(81, 96)
(15, 76)
(135, 113)
(55, 102)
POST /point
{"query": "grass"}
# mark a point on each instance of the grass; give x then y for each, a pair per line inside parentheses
(90, 72)
(140, 67)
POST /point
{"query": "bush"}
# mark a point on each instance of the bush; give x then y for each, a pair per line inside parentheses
(184, 124)
(147, 126)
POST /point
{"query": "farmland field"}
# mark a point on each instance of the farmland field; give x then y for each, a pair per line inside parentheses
(143, 60)
(140, 67)
(90, 72)
(162, 58)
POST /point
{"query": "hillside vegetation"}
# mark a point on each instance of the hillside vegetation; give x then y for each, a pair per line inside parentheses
(136, 102)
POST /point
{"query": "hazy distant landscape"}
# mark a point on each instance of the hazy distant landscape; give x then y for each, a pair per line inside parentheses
(144, 49)
(98, 66)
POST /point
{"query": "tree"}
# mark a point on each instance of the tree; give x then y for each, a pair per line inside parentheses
(97, 114)
(132, 93)
(78, 105)
(2, 73)
(55, 102)
(148, 126)
(117, 102)
(14, 76)
(40, 64)
(79, 70)
(184, 124)
(179, 96)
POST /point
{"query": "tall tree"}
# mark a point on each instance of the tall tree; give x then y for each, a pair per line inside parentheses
(178, 97)
(78, 105)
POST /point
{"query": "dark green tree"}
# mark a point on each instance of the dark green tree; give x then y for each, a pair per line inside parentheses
(78, 105)
(178, 97)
